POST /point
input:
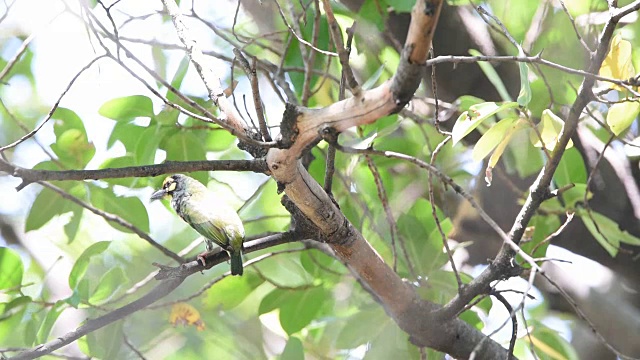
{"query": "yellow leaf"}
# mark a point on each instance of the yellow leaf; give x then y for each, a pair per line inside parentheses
(618, 63)
(501, 146)
(550, 129)
(622, 115)
(546, 349)
(491, 138)
(185, 314)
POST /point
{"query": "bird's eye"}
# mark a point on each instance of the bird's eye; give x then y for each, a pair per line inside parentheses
(170, 186)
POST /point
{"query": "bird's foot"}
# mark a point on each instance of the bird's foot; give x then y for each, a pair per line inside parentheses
(201, 258)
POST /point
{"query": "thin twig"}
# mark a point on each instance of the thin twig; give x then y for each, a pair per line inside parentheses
(310, 60)
(209, 284)
(250, 71)
(514, 322)
(132, 348)
(23, 47)
(575, 28)
(53, 108)
(114, 219)
(382, 195)
(434, 212)
(343, 54)
(301, 40)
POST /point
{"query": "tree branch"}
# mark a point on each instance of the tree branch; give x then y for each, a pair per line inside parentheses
(540, 188)
(30, 176)
(303, 127)
(161, 290)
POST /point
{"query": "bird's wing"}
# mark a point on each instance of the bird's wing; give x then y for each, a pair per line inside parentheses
(215, 220)
(211, 231)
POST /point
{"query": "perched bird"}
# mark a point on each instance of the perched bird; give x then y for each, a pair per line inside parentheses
(208, 215)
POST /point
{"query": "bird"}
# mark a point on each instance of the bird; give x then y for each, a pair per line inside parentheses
(216, 221)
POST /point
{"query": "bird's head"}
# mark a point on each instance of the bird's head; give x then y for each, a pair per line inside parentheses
(171, 186)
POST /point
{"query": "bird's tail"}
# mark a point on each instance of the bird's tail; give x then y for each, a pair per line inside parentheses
(236, 262)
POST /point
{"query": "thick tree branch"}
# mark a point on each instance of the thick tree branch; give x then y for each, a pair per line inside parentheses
(302, 128)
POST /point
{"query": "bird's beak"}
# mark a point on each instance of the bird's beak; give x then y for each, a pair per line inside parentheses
(158, 194)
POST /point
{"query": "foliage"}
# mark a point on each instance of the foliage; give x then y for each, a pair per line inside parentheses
(297, 302)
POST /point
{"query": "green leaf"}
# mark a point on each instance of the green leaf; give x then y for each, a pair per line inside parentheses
(464, 102)
(524, 158)
(469, 120)
(374, 78)
(361, 327)
(219, 140)
(393, 343)
(178, 77)
(46, 205)
(73, 148)
(159, 62)
(183, 146)
(286, 270)
(12, 320)
(72, 145)
(571, 169)
(622, 115)
(71, 228)
(315, 262)
(525, 88)
(293, 350)
(231, 291)
(168, 116)
(543, 227)
(611, 230)
(603, 229)
(370, 12)
(128, 208)
(11, 269)
(302, 307)
(15, 303)
(31, 328)
(109, 285)
(422, 238)
(458, 2)
(272, 301)
(81, 265)
(50, 320)
(105, 343)
(66, 119)
(403, 6)
(128, 134)
(575, 195)
(297, 307)
(548, 344)
(149, 142)
(127, 108)
(492, 75)
(122, 162)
